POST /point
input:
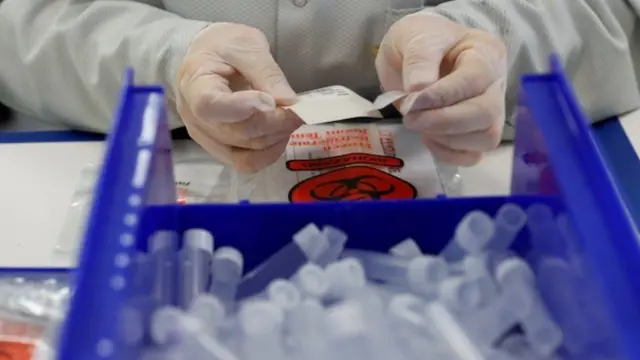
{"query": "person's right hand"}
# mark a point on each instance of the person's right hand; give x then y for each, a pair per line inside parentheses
(229, 93)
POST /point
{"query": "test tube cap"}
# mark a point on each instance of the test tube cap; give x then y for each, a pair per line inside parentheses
(511, 216)
(311, 278)
(335, 235)
(346, 273)
(284, 293)
(514, 270)
(228, 262)
(165, 324)
(460, 292)
(346, 319)
(427, 269)
(311, 241)
(260, 317)
(231, 254)
(162, 240)
(200, 239)
(407, 248)
(474, 231)
(209, 308)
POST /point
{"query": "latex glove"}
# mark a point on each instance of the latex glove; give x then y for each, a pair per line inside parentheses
(456, 77)
(228, 93)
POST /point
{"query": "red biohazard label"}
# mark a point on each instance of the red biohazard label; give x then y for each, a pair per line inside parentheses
(18, 339)
(353, 183)
(13, 350)
(344, 160)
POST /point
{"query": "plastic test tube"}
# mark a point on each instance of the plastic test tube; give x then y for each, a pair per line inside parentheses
(561, 287)
(284, 294)
(347, 329)
(490, 323)
(307, 246)
(408, 249)
(471, 236)
(307, 328)
(261, 323)
(164, 329)
(210, 310)
(312, 280)
(357, 333)
(452, 333)
(186, 336)
(509, 221)
(476, 267)
(337, 240)
(162, 247)
(226, 273)
(541, 331)
(422, 273)
(345, 277)
(407, 319)
(195, 265)
(460, 293)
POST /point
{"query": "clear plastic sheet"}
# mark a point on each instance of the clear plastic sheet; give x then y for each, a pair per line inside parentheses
(74, 223)
(199, 179)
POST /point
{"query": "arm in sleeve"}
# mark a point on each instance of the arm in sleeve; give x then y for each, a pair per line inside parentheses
(591, 37)
(63, 60)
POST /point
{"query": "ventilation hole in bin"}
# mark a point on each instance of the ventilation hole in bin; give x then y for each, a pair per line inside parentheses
(104, 348)
(118, 282)
(122, 260)
(127, 240)
(135, 200)
(130, 219)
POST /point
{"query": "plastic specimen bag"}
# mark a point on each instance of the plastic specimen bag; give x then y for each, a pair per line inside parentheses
(351, 162)
(31, 311)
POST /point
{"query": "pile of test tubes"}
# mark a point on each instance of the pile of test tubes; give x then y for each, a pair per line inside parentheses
(319, 299)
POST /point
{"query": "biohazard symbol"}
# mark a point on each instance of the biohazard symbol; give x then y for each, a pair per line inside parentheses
(354, 183)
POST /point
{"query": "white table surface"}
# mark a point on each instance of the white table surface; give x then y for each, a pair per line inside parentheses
(39, 179)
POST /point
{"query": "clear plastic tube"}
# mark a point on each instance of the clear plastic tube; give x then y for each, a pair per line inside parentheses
(194, 265)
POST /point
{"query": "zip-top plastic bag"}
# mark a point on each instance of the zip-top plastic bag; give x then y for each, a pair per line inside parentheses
(198, 177)
(351, 162)
(31, 311)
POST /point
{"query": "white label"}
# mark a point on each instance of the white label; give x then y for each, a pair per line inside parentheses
(335, 103)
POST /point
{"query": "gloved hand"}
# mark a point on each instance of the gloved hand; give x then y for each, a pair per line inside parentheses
(228, 93)
(456, 77)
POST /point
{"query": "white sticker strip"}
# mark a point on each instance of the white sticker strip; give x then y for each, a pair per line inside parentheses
(335, 103)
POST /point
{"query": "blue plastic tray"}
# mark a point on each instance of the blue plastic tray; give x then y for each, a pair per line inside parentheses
(556, 164)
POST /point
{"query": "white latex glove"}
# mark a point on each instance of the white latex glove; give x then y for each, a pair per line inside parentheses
(456, 77)
(228, 92)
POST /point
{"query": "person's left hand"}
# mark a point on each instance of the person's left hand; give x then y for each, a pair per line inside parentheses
(456, 80)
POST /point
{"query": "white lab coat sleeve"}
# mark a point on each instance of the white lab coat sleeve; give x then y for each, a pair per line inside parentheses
(63, 60)
(591, 37)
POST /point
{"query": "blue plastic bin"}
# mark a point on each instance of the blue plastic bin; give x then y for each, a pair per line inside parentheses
(593, 292)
